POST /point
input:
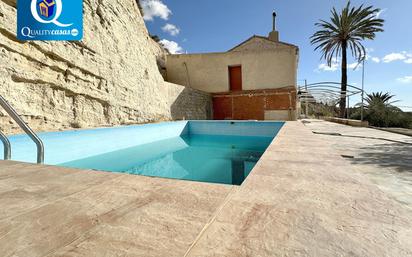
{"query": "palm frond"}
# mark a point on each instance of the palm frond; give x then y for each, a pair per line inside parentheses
(349, 27)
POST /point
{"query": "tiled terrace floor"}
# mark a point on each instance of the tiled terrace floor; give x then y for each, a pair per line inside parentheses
(302, 199)
(384, 157)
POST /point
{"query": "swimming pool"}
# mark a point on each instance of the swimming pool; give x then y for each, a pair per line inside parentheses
(206, 151)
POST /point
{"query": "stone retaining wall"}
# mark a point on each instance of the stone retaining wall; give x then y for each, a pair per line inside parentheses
(355, 123)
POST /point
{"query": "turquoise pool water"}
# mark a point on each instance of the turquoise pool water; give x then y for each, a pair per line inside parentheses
(206, 158)
(207, 151)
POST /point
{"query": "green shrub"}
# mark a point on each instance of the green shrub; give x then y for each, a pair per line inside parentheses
(380, 112)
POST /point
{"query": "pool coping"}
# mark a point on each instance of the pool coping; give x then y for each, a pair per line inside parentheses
(302, 198)
(141, 124)
(254, 217)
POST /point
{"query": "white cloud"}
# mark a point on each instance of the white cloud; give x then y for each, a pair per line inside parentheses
(378, 14)
(394, 57)
(335, 65)
(354, 66)
(368, 51)
(155, 8)
(405, 80)
(171, 29)
(172, 46)
(376, 59)
(371, 57)
(324, 67)
(401, 56)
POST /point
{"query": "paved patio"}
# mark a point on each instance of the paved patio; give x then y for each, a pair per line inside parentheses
(384, 157)
(302, 199)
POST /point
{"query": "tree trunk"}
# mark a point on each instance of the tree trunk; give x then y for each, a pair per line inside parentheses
(344, 81)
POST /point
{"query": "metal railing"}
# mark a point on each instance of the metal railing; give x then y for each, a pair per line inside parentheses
(7, 146)
(15, 116)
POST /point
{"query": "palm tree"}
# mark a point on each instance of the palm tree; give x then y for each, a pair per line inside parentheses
(379, 98)
(380, 111)
(346, 30)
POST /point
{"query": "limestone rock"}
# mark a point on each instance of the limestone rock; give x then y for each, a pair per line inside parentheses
(111, 77)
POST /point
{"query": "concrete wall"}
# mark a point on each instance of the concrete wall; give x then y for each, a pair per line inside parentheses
(111, 77)
(280, 115)
(261, 69)
(188, 103)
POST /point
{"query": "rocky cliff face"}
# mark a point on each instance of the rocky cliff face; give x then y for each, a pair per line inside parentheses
(111, 77)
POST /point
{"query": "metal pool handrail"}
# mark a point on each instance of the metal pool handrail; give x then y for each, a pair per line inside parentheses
(15, 116)
(7, 146)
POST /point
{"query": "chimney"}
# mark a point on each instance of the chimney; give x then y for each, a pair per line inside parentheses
(274, 34)
(274, 21)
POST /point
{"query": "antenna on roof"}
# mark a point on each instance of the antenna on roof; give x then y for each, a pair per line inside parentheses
(274, 21)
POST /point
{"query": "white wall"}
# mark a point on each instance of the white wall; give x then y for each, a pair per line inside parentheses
(261, 69)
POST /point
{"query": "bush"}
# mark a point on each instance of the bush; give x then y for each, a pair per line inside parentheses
(380, 112)
(384, 116)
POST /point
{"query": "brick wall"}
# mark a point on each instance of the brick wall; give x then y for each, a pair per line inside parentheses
(252, 104)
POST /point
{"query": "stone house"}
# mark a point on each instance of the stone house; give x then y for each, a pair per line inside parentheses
(256, 79)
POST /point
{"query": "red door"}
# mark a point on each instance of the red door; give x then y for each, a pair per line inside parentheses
(235, 78)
